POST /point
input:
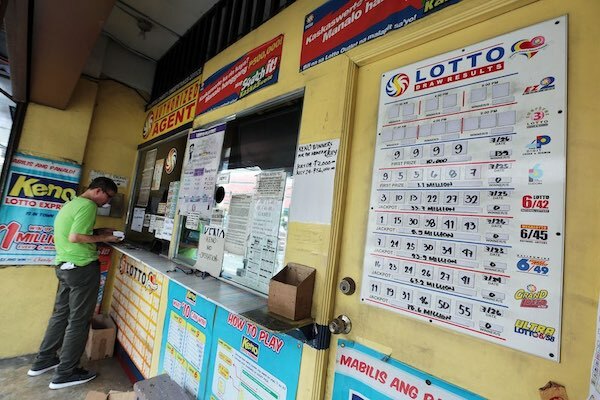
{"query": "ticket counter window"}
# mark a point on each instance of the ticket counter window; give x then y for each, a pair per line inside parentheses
(252, 200)
(152, 212)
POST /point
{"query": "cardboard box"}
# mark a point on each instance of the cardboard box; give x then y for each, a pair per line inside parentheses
(112, 395)
(291, 291)
(101, 339)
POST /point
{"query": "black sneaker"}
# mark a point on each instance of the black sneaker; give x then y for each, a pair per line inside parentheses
(78, 377)
(40, 368)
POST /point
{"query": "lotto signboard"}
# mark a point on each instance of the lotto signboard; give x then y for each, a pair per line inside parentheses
(466, 215)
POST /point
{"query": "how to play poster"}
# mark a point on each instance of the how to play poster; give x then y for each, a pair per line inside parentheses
(466, 213)
(248, 362)
(36, 188)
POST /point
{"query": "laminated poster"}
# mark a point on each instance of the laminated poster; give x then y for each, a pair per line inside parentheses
(158, 170)
(187, 339)
(36, 189)
(146, 180)
(137, 222)
(203, 154)
(247, 361)
(466, 213)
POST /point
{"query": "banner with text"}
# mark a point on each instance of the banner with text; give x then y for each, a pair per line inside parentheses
(362, 373)
(187, 339)
(36, 189)
(173, 112)
(251, 72)
(340, 25)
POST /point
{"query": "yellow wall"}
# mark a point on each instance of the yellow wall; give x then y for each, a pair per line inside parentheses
(98, 114)
(28, 292)
(490, 370)
(114, 135)
(333, 110)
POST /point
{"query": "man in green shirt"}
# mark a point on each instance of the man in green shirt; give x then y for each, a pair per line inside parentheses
(78, 273)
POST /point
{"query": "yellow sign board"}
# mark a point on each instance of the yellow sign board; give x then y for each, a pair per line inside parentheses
(173, 112)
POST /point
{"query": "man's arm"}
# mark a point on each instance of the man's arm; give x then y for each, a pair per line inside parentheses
(81, 238)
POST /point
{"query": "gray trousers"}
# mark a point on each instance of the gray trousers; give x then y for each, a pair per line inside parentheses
(69, 325)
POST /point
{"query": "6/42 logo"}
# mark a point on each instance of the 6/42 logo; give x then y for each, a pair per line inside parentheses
(535, 203)
(534, 234)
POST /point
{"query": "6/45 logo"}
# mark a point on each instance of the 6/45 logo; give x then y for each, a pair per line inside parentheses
(534, 234)
(535, 203)
(533, 265)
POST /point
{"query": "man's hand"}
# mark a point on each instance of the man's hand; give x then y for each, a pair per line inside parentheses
(80, 238)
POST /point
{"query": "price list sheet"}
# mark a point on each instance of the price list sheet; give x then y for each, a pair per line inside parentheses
(466, 213)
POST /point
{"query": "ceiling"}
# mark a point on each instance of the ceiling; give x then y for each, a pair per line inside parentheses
(66, 34)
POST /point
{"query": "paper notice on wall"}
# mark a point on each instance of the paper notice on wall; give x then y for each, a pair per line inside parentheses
(146, 220)
(211, 246)
(152, 226)
(192, 221)
(262, 261)
(137, 222)
(158, 226)
(120, 181)
(237, 223)
(217, 217)
(157, 176)
(203, 154)
(166, 230)
(172, 194)
(314, 173)
(146, 181)
(271, 184)
(161, 209)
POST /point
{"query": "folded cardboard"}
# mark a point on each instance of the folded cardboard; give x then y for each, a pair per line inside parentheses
(101, 339)
(291, 291)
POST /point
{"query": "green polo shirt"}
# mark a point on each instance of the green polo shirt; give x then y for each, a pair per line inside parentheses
(76, 216)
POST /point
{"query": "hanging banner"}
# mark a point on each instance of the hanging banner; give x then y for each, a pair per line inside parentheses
(362, 373)
(251, 72)
(202, 157)
(187, 339)
(36, 188)
(247, 361)
(173, 112)
(466, 213)
(340, 25)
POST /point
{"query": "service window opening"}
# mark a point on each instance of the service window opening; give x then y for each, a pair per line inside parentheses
(248, 224)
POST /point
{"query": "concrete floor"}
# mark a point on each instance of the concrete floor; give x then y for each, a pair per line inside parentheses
(16, 385)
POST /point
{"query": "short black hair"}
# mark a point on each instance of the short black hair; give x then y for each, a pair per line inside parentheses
(104, 183)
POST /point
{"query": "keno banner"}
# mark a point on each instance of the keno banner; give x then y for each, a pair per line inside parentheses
(362, 373)
(251, 72)
(340, 25)
(36, 189)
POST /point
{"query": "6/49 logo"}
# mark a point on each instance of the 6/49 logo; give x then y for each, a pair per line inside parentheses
(534, 234)
(533, 265)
